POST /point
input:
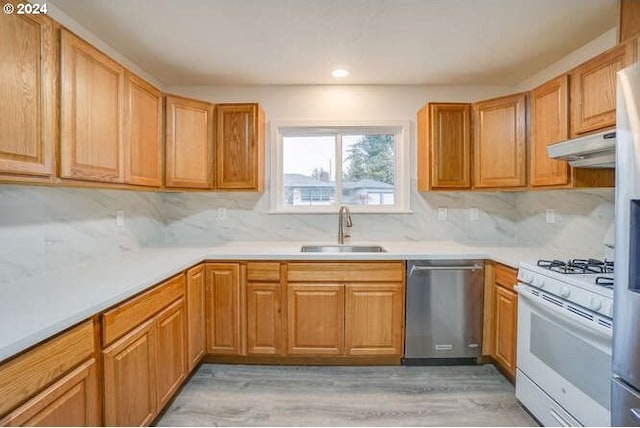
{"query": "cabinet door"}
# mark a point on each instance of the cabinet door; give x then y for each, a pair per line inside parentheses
(593, 90)
(264, 319)
(29, 91)
(171, 362)
(189, 144)
(444, 146)
(130, 378)
(500, 142)
(92, 106)
(374, 317)
(222, 308)
(315, 319)
(195, 315)
(506, 317)
(239, 147)
(549, 125)
(143, 133)
(72, 401)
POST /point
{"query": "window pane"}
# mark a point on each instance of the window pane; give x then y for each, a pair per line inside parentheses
(368, 169)
(309, 171)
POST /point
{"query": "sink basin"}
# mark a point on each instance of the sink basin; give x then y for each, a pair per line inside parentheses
(342, 249)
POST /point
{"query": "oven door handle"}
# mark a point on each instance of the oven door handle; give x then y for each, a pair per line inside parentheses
(562, 315)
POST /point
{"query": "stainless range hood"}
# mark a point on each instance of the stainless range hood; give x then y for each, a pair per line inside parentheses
(591, 151)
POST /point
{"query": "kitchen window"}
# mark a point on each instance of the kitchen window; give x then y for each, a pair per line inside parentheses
(318, 168)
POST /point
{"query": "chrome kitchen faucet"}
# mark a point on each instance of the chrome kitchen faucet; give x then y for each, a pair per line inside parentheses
(344, 221)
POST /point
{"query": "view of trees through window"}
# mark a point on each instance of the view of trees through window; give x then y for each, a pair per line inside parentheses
(366, 168)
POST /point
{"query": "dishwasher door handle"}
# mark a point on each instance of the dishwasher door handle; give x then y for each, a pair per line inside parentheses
(415, 268)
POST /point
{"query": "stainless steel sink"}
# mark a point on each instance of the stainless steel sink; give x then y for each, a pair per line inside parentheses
(342, 249)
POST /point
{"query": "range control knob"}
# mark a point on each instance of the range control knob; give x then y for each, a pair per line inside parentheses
(565, 292)
(538, 282)
(595, 303)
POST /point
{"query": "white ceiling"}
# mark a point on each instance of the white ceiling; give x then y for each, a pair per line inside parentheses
(263, 42)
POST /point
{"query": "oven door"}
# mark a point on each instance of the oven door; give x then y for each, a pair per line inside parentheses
(565, 355)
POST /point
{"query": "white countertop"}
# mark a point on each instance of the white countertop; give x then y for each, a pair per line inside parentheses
(36, 308)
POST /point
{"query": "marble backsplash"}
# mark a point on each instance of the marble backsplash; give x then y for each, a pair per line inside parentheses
(43, 228)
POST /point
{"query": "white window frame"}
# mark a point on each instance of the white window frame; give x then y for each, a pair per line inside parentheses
(402, 175)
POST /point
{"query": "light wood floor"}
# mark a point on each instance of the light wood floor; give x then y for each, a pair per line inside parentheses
(223, 395)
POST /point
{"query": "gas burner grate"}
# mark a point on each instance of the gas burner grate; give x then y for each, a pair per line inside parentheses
(578, 266)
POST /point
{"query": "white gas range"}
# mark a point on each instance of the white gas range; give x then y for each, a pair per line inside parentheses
(564, 341)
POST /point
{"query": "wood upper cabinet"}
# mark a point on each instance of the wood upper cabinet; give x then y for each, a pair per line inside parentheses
(189, 150)
(143, 133)
(499, 145)
(239, 147)
(195, 315)
(549, 125)
(374, 319)
(171, 347)
(264, 318)
(29, 94)
(444, 146)
(130, 378)
(593, 89)
(629, 23)
(315, 319)
(91, 109)
(222, 308)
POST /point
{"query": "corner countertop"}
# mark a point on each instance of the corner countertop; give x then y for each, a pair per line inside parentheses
(35, 308)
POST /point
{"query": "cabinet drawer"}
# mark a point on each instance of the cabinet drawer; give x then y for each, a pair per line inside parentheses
(346, 272)
(130, 314)
(506, 277)
(31, 372)
(267, 271)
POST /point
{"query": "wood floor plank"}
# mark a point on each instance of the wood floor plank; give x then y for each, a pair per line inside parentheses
(234, 395)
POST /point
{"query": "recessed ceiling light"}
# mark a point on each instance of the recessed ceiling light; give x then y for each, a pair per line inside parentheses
(340, 72)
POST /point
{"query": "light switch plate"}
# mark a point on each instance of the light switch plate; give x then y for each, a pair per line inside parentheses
(222, 213)
(474, 214)
(120, 218)
(551, 216)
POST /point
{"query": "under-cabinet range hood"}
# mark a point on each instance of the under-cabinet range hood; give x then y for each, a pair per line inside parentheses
(591, 151)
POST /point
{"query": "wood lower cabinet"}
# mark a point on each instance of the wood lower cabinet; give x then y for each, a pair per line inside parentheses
(145, 366)
(143, 133)
(195, 316)
(72, 401)
(130, 378)
(189, 149)
(499, 144)
(315, 319)
(500, 317)
(91, 113)
(593, 89)
(374, 319)
(29, 94)
(264, 319)
(223, 308)
(506, 318)
(444, 146)
(239, 147)
(171, 347)
(53, 384)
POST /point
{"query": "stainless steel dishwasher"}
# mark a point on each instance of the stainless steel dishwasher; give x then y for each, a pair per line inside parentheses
(444, 303)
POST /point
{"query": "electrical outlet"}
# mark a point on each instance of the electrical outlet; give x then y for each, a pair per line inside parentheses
(474, 214)
(120, 218)
(222, 213)
(442, 214)
(551, 216)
